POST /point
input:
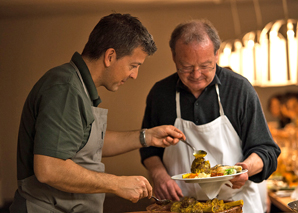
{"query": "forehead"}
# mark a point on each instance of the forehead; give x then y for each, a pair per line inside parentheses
(194, 50)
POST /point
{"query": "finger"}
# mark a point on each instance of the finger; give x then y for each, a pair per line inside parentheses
(163, 193)
(166, 142)
(176, 133)
(134, 200)
(148, 189)
(177, 130)
(175, 194)
(236, 187)
(176, 191)
(175, 141)
(145, 194)
(179, 192)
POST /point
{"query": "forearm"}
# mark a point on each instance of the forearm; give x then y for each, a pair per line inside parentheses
(254, 164)
(120, 142)
(116, 143)
(68, 176)
(155, 166)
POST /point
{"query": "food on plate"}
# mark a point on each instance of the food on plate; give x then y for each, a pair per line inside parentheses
(201, 169)
(220, 170)
(199, 165)
(191, 205)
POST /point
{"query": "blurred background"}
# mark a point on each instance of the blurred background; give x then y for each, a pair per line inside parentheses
(36, 35)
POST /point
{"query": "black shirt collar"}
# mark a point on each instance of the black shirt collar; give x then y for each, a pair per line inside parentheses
(86, 76)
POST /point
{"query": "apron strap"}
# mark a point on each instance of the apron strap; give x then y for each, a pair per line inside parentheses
(178, 109)
(221, 111)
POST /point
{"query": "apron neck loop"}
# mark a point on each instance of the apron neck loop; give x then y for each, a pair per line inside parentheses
(178, 108)
(221, 111)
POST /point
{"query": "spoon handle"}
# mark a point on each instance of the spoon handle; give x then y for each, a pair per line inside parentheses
(194, 149)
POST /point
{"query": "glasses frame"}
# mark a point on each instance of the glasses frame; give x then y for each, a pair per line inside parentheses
(205, 70)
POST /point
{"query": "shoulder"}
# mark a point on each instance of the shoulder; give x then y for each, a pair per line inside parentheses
(167, 84)
(163, 91)
(229, 75)
(232, 81)
(61, 74)
(60, 77)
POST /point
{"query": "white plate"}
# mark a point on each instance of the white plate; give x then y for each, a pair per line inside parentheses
(208, 179)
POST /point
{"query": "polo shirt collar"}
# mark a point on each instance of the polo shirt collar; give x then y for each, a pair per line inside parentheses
(86, 76)
(215, 80)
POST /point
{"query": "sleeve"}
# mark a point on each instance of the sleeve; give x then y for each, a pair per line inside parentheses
(59, 123)
(255, 136)
(150, 120)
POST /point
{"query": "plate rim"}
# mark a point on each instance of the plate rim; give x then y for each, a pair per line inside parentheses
(208, 179)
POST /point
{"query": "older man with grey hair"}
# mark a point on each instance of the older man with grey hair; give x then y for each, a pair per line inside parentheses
(218, 110)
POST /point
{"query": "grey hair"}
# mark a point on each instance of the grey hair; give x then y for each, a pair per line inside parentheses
(195, 30)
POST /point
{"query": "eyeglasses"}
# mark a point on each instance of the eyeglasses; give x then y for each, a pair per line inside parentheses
(192, 69)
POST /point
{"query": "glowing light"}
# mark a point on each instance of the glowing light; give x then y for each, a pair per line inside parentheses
(265, 62)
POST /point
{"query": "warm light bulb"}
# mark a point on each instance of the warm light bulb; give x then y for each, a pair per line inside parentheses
(273, 34)
(250, 43)
(238, 45)
(227, 51)
(290, 33)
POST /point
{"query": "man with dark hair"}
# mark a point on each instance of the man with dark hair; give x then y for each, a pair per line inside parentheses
(62, 134)
(218, 111)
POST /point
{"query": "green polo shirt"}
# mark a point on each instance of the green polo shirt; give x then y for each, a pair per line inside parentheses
(57, 115)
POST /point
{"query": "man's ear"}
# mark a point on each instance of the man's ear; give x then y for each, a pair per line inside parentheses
(216, 56)
(173, 56)
(109, 57)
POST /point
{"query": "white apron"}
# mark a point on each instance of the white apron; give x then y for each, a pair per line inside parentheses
(223, 146)
(43, 198)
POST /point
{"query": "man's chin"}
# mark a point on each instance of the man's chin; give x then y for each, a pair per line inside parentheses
(198, 84)
(112, 89)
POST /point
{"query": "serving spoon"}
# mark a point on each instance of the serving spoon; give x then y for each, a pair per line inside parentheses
(161, 202)
(196, 153)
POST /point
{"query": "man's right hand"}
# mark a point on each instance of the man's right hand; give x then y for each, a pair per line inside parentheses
(133, 188)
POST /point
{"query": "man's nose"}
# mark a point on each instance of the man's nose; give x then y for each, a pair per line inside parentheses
(196, 72)
(134, 74)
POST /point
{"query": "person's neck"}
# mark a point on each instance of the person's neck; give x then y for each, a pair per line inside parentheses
(95, 68)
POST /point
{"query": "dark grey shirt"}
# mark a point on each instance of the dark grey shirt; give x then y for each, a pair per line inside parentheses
(240, 103)
(57, 115)
(56, 119)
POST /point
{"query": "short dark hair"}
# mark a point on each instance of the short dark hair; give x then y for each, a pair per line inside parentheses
(195, 30)
(121, 32)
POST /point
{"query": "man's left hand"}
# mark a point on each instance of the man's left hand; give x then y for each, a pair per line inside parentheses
(239, 180)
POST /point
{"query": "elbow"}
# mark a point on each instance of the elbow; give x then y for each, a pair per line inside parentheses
(42, 169)
(42, 176)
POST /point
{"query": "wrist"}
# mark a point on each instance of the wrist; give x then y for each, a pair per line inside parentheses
(143, 137)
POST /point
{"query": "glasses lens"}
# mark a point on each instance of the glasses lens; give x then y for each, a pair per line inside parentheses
(191, 69)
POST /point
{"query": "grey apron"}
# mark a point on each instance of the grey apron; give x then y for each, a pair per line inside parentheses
(43, 198)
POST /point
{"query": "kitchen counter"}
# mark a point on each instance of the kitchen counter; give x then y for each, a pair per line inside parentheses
(280, 202)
